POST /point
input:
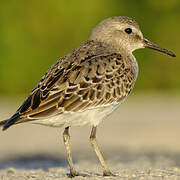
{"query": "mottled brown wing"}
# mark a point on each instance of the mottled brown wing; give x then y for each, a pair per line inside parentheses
(71, 86)
(95, 81)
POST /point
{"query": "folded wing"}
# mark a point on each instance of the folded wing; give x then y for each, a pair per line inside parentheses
(73, 86)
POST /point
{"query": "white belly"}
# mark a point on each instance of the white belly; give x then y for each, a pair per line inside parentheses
(88, 117)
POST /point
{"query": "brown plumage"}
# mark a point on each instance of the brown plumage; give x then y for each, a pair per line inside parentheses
(87, 84)
(89, 77)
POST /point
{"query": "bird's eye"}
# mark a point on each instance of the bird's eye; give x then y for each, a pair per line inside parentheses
(128, 30)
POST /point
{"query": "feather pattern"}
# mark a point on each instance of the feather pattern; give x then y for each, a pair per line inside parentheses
(92, 76)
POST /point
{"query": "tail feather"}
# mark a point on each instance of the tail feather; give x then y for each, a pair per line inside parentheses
(2, 123)
(7, 123)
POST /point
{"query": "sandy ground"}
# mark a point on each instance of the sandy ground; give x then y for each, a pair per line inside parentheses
(139, 141)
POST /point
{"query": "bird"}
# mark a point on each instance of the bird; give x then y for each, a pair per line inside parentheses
(88, 84)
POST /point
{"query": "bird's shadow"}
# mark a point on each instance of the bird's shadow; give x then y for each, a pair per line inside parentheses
(46, 161)
(33, 162)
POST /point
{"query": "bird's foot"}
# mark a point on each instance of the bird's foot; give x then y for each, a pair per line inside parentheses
(108, 173)
(73, 174)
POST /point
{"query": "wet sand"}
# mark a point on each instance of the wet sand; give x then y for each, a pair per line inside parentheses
(139, 141)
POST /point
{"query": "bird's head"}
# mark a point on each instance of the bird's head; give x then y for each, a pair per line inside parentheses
(123, 33)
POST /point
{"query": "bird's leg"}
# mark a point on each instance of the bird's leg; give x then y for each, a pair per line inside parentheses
(66, 138)
(106, 171)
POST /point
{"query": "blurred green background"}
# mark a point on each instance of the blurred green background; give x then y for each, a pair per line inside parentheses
(34, 34)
